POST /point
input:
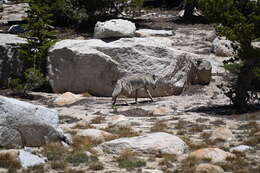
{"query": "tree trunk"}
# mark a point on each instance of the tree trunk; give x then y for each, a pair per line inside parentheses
(244, 85)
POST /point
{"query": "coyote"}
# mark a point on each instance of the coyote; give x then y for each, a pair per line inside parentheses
(127, 85)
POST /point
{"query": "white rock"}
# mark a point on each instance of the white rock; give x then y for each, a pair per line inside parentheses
(114, 28)
(151, 171)
(118, 120)
(153, 143)
(222, 47)
(241, 148)
(215, 155)
(97, 64)
(25, 124)
(95, 134)
(222, 133)
(66, 99)
(28, 159)
(152, 32)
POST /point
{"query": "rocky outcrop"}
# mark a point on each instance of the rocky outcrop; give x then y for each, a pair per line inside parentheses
(214, 155)
(152, 32)
(94, 66)
(114, 28)
(8, 60)
(222, 133)
(25, 124)
(153, 143)
(222, 47)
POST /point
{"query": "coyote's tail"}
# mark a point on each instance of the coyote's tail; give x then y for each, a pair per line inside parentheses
(117, 90)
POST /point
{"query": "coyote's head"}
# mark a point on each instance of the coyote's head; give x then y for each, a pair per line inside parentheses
(154, 81)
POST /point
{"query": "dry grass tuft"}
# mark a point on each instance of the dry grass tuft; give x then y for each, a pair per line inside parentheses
(9, 161)
(121, 131)
(98, 120)
(160, 126)
(96, 166)
(129, 160)
(84, 143)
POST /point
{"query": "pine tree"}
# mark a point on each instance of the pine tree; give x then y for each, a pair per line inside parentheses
(240, 23)
(33, 54)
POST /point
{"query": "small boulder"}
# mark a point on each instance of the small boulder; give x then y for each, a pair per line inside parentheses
(241, 148)
(153, 143)
(114, 28)
(161, 111)
(152, 32)
(208, 168)
(222, 47)
(222, 133)
(151, 171)
(66, 99)
(215, 155)
(28, 159)
(95, 134)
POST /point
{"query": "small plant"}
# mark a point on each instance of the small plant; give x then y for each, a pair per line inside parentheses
(188, 165)
(58, 165)
(167, 159)
(121, 131)
(115, 108)
(77, 157)
(98, 120)
(129, 160)
(54, 151)
(34, 169)
(159, 126)
(9, 161)
(84, 143)
(96, 166)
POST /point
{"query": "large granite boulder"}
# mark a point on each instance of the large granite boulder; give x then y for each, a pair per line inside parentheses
(8, 60)
(25, 124)
(94, 66)
(114, 28)
(153, 143)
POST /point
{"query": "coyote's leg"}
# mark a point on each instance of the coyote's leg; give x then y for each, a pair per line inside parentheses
(114, 100)
(147, 91)
(136, 95)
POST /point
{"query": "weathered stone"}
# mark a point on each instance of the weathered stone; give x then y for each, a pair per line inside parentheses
(241, 148)
(66, 99)
(215, 155)
(222, 47)
(95, 134)
(208, 168)
(9, 64)
(153, 143)
(114, 28)
(88, 65)
(152, 32)
(161, 111)
(151, 171)
(28, 159)
(222, 133)
(25, 124)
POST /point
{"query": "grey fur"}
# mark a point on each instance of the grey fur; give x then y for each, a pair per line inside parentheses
(125, 86)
